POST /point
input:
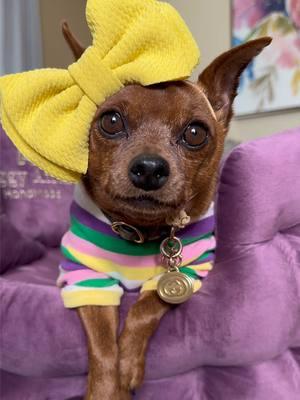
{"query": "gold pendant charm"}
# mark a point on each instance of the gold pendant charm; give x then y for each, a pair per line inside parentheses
(175, 287)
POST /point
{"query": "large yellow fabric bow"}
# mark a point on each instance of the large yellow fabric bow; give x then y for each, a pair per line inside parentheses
(47, 113)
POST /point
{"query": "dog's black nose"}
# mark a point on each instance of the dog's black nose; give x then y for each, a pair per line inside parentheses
(149, 172)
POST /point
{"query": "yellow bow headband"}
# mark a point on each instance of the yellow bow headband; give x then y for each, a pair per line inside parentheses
(47, 113)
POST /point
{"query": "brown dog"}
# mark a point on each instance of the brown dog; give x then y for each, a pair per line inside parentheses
(153, 150)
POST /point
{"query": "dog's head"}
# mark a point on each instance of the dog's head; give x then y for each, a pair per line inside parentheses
(155, 150)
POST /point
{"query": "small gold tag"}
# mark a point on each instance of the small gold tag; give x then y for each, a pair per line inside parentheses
(175, 287)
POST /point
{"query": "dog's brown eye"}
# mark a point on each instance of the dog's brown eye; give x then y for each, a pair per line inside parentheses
(112, 123)
(195, 136)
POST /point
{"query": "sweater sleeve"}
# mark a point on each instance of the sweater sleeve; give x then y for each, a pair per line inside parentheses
(87, 287)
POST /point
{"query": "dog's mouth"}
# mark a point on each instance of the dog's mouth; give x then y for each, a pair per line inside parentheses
(140, 210)
(146, 202)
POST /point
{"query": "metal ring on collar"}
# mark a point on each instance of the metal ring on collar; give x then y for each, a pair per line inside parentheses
(165, 245)
(121, 229)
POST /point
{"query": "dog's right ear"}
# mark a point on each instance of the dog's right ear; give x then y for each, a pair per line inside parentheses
(74, 44)
(220, 79)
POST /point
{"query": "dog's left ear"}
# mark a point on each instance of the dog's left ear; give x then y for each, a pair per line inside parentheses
(74, 44)
(220, 79)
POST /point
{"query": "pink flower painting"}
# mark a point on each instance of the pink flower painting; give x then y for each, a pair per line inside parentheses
(272, 81)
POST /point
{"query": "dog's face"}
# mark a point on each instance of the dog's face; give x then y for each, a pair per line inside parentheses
(156, 150)
(151, 150)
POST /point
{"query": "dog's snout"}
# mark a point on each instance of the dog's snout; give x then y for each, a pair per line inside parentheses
(149, 172)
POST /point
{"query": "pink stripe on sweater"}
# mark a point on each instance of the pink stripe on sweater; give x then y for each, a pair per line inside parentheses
(202, 274)
(190, 252)
(71, 278)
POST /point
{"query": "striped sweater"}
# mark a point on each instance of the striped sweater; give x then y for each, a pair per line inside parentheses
(98, 265)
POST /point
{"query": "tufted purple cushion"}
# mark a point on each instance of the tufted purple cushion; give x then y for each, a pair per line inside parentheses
(15, 249)
(237, 339)
(35, 204)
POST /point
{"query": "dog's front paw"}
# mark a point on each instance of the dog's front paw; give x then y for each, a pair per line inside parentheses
(131, 374)
(132, 370)
(126, 395)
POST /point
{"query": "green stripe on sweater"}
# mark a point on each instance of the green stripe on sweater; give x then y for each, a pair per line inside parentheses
(190, 272)
(121, 246)
(97, 283)
(68, 255)
(204, 256)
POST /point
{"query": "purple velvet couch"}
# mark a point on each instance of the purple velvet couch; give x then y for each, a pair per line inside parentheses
(237, 339)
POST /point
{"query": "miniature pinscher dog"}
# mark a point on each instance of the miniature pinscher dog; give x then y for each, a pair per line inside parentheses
(151, 151)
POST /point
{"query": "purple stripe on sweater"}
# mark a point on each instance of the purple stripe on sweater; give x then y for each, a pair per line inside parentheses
(71, 266)
(90, 221)
(196, 229)
(200, 228)
(210, 258)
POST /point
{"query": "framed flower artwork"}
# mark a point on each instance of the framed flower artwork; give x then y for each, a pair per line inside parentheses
(272, 81)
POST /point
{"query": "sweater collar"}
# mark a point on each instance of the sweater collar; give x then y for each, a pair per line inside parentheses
(85, 209)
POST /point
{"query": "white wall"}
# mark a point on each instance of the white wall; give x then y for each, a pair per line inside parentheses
(53, 12)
